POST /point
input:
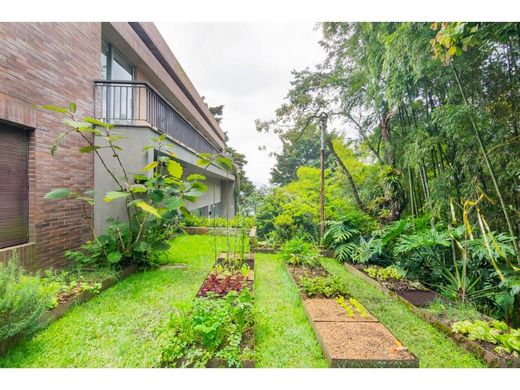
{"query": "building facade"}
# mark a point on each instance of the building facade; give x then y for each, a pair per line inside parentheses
(123, 73)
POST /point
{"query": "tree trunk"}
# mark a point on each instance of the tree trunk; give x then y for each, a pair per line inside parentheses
(350, 180)
(515, 317)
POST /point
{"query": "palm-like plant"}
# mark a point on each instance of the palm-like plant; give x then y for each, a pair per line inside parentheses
(341, 236)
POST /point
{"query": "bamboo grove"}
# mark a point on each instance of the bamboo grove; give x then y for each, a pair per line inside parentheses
(436, 107)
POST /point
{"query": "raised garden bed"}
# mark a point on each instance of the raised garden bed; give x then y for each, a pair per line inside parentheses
(415, 293)
(220, 282)
(218, 231)
(65, 304)
(349, 335)
(483, 350)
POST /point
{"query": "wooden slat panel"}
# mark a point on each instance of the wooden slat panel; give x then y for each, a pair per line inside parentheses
(14, 197)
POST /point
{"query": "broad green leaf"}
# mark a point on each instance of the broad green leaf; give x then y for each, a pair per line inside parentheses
(55, 108)
(89, 148)
(138, 188)
(97, 122)
(76, 124)
(152, 165)
(185, 212)
(173, 203)
(111, 195)
(113, 138)
(195, 177)
(58, 193)
(161, 245)
(224, 163)
(148, 208)
(114, 257)
(174, 169)
(72, 107)
(199, 186)
(147, 147)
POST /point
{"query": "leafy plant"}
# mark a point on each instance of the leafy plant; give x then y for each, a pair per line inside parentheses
(299, 253)
(498, 332)
(23, 300)
(210, 328)
(385, 273)
(154, 200)
(351, 305)
(328, 286)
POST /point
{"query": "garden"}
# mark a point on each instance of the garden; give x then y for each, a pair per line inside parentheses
(398, 248)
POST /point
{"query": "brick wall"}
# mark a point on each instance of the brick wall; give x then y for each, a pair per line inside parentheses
(51, 63)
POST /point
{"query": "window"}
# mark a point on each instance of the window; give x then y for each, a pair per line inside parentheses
(14, 194)
(119, 98)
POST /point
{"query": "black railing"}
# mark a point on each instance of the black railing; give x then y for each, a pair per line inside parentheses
(136, 103)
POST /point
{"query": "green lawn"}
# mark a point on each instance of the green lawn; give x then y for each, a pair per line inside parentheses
(284, 337)
(120, 327)
(432, 347)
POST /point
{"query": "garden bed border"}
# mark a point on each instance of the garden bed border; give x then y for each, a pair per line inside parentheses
(61, 309)
(491, 359)
(354, 363)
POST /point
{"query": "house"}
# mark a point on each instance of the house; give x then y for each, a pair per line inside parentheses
(123, 73)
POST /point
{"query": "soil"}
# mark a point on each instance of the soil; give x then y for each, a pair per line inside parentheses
(324, 309)
(417, 295)
(298, 272)
(419, 298)
(361, 341)
(71, 294)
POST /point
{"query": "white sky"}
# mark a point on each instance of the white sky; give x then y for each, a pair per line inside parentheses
(247, 67)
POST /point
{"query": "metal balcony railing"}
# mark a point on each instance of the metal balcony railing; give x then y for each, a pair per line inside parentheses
(136, 103)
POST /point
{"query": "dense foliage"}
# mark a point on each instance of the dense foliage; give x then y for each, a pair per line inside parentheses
(435, 161)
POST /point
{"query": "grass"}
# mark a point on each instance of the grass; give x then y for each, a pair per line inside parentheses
(455, 311)
(119, 328)
(432, 347)
(284, 337)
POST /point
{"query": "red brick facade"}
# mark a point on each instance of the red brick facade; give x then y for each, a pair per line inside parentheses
(51, 63)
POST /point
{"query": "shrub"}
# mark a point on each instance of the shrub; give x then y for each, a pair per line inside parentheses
(210, 328)
(298, 252)
(23, 299)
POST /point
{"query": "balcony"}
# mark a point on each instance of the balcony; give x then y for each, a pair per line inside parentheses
(136, 103)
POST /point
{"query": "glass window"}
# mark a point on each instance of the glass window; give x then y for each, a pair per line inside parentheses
(104, 60)
(121, 69)
(118, 98)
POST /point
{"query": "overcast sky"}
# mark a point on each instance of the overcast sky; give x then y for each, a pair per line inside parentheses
(247, 67)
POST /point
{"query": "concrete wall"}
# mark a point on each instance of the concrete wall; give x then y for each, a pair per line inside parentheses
(134, 159)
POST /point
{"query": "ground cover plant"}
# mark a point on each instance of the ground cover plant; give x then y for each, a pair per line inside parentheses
(211, 329)
(507, 340)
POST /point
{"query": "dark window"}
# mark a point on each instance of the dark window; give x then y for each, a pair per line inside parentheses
(14, 194)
